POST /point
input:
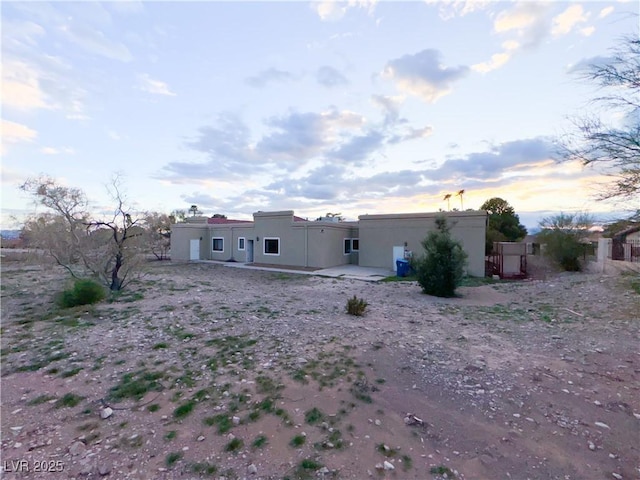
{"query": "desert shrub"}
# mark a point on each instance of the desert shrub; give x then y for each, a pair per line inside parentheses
(441, 269)
(356, 306)
(563, 236)
(83, 292)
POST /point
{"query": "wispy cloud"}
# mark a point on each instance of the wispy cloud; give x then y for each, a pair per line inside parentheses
(586, 63)
(424, 75)
(333, 10)
(270, 75)
(57, 151)
(96, 42)
(155, 87)
(13, 132)
(499, 59)
(565, 22)
(528, 24)
(606, 11)
(330, 77)
(389, 105)
(21, 87)
(21, 33)
(449, 9)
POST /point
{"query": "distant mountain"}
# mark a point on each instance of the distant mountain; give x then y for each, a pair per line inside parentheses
(10, 234)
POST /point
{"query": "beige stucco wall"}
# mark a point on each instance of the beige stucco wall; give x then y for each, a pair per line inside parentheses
(326, 243)
(182, 234)
(230, 234)
(380, 233)
(303, 244)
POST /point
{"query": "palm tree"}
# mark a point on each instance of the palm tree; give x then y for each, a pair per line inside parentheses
(447, 197)
(459, 194)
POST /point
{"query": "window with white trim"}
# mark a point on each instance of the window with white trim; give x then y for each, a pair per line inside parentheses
(241, 242)
(347, 246)
(271, 246)
(351, 245)
(217, 244)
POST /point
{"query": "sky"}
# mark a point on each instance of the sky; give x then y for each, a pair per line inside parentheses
(359, 107)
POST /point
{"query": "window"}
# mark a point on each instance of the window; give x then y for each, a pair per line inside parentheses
(347, 246)
(272, 246)
(351, 245)
(217, 244)
(241, 243)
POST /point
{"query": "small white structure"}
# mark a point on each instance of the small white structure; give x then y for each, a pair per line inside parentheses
(510, 259)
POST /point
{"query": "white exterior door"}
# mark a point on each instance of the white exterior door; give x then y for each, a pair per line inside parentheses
(249, 251)
(398, 254)
(194, 249)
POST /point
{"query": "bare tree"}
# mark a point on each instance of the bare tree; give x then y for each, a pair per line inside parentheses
(613, 145)
(158, 233)
(109, 249)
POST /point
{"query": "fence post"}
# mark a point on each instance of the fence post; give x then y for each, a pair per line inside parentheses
(603, 251)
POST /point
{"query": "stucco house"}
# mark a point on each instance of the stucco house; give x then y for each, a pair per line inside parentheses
(283, 239)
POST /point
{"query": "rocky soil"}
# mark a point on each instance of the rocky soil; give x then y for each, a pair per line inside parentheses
(203, 371)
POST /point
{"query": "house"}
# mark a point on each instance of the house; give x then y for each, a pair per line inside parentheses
(283, 239)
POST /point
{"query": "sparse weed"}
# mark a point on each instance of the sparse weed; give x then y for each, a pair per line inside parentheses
(298, 441)
(356, 306)
(184, 410)
(234, 445)
(172, 458)
(69, 400)
(260, 441)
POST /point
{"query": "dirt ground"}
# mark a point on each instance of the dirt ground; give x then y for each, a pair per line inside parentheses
(215, 372)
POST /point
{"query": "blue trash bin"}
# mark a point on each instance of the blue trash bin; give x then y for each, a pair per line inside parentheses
(402, 267)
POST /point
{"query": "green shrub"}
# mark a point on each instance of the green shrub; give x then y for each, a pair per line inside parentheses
(563, 236)
(83, 292)
(441, 269)
(356, 306)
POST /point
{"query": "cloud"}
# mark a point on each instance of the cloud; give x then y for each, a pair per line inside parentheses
(358, 148)
(499, 159)
(57, 151)
(499, 59)
(330, 77)
(528, 20)
(13, 132)
(528, 24)
(18, 34)
(95, 41)
(21, 87)
(411, 134)
(587, 31)
(155, 87)
(605, 12)
(332, 10)
(587, 63)
(449, 9)
(297, 136)
(389, 105)
(271, 75)
(514, 169)
(292, 142)
(228, 154)
(424, 75)
(302, 136)
(567, 20)
(39, 81)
